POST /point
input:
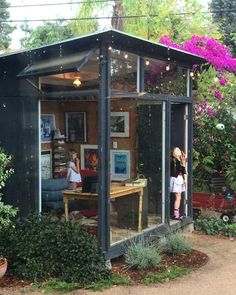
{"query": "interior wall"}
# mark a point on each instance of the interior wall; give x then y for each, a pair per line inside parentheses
(91, 108)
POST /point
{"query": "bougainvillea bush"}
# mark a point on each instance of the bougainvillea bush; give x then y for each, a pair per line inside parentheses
(215, 96)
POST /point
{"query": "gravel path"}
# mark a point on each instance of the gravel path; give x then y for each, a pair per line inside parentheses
(217, 277)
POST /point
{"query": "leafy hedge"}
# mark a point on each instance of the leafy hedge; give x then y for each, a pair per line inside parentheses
(39, 247)
(215, 226)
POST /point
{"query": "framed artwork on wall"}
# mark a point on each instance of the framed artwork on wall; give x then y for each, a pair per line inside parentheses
(89, 157)
(76, 130)
(120, 124)
(46, 164)
(48, 126)
(120, 165)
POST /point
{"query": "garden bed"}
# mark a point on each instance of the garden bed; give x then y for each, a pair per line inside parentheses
(192, 260)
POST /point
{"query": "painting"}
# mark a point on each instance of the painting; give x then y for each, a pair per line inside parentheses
(48, 126)
(120, 165)
(89, 157)
(46, 164)
(120, 124)
(76, 130)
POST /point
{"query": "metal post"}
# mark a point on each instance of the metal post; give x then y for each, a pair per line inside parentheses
(167, 160)
(104, 150)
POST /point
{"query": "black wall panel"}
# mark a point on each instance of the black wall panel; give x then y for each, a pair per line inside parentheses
(19, 137)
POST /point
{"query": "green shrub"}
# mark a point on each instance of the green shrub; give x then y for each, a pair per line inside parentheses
(210, 225)
(175, 244)
(142, 256)
(230, 230)
(6, 211)
(41, 247)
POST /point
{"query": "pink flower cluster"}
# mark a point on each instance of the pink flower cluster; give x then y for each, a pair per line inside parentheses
(223, 81)
(218, 95)
(211, 50)
(203, 108)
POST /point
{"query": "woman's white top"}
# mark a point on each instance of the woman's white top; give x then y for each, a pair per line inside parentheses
(71, 174)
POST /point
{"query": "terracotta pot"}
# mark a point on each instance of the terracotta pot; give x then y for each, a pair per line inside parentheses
(3, 267)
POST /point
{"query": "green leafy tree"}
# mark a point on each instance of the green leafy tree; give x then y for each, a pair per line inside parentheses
(47, 33)
(171, 18)
(5, 28)
(159, 18)
(87, 10)
(224, 13)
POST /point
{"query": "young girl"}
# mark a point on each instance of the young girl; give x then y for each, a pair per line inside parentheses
(73, 171)
(177, 178)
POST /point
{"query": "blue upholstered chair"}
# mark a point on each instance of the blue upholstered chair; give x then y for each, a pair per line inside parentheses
(52, 197)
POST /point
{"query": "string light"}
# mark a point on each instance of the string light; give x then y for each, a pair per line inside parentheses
(191, 74)
(126, 55)
(147, 62)
(168, 67)
(109, 48)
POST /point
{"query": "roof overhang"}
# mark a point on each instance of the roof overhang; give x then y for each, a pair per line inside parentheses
(60, 51)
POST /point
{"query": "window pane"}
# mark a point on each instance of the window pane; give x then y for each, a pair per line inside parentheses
(163, 77)
(136, 167)
(123, 71)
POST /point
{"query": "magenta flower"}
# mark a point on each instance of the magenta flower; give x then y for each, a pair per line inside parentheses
(211, 50)
(218, 95)
(223, 81)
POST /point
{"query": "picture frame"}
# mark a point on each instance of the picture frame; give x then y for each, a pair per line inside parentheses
(89, 157)
(120, 165)
(48, 125)
(46, 164)
(120, 124)
(76, 127)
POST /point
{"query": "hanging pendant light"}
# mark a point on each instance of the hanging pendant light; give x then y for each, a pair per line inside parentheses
(77, 82)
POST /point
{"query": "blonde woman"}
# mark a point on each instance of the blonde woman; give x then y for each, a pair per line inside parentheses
(177, 178)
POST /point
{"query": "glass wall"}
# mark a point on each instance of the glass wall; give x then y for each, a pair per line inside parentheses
(69, 144)
(163, 77)
(136, 167)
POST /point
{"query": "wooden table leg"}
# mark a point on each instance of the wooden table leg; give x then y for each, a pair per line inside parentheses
(66, 208)
(140, 209)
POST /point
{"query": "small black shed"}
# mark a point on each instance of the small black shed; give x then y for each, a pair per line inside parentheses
(121, 102)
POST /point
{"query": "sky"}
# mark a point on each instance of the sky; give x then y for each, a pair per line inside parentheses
(44, 12)
(39, 12)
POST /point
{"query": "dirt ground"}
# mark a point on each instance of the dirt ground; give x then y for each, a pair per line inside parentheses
(216, 277)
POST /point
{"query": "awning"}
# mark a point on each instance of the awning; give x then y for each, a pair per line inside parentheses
(57, 65)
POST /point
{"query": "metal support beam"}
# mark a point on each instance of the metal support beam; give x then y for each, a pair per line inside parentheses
(104, 150)
(167, 160)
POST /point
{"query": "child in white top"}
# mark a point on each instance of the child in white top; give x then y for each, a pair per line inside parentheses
(73, 171)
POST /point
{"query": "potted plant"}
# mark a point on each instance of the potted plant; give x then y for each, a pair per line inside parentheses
(6, 211)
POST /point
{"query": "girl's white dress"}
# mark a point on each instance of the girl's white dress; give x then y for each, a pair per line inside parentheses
(73, 176)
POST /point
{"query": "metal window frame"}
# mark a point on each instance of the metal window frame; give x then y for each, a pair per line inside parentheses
(62, 65)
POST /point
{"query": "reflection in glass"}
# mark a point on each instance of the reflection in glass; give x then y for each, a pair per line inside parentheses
(163, 77)
(138, 207)
(123, 71)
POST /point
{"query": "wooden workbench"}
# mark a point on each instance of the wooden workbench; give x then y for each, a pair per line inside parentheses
(116, 191)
